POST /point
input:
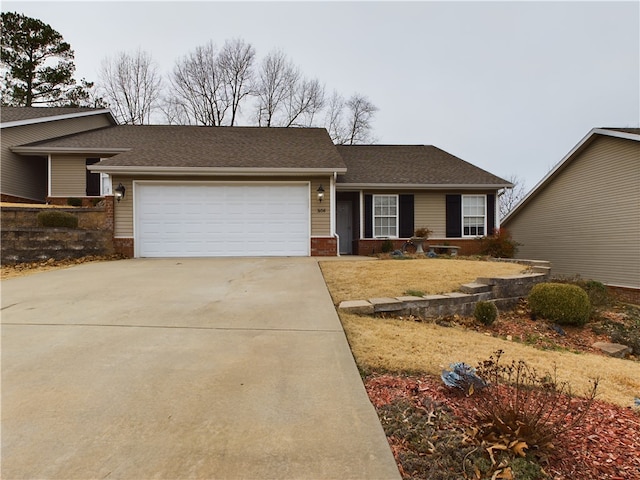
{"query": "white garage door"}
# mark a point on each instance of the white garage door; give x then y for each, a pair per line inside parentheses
(226, 220)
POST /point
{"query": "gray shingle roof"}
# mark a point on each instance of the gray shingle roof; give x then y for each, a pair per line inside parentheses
(410, 165)
(14, 114)
(214, 147)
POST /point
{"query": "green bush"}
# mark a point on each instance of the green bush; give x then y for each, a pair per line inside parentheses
(486, 312)
(74, 202)
(57, 218)
(561, 303)
(387, 246)
(499, 245)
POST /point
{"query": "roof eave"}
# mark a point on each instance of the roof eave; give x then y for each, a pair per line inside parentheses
(202, 171)
(52, 118)
(430, 186)
(26, 150)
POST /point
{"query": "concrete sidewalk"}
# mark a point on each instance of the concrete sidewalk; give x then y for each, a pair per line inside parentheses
(182, 368)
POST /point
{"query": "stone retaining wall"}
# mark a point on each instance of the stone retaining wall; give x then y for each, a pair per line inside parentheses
(504, 291)
(23, 240)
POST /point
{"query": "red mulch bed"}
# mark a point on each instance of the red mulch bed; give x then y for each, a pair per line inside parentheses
(605, 446)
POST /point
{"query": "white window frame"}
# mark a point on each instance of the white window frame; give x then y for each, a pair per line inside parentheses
(476, 224)
(397, 216)
(106, 187)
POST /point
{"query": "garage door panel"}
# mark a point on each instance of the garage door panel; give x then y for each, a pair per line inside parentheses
(222, 220)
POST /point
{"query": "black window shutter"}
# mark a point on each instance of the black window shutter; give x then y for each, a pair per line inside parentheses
(491, 214)
(454, 216)
(368, 216)
(406, 214)
(93, 179)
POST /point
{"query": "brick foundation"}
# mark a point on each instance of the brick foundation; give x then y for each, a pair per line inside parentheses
(324, 247)
(123, 246)
(625, 294)
(372, 247)
(86, 201)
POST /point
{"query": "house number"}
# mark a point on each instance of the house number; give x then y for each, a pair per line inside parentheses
(322, 210)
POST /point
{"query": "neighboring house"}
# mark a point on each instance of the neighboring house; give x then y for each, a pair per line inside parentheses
(251, 191)
(24, 178)
(584, 216)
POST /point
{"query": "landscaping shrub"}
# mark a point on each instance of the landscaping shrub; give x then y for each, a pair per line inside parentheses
(598, 293)
(522, 410)
(485, 312)
(387, 246)
(562, 303)
(499, 245)
(74, 202)
(57, 218)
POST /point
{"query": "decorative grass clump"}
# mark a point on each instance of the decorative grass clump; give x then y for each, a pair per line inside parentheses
(56, 218)
(387, 246)
(485, 312)
(561, 303)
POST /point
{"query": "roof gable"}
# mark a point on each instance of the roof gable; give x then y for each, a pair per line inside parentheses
(17, 116)
(631, 134)
(411, 165)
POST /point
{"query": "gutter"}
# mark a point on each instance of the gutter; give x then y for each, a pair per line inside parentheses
(32, 121)
(202, 171)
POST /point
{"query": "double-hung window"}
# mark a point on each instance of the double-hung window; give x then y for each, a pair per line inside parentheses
(474, 215)
(385, 216)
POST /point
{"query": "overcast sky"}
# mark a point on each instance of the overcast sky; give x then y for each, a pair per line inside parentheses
(508, 86)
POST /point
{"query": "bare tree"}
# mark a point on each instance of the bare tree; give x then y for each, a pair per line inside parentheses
(275, 83)
(359, 118)
(235, 62)
(131, 85)
(510, 197)
(334, 119)
(303, 105)
(197, 89)
(349, 122)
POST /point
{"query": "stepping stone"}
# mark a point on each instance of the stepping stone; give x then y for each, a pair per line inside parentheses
(613, 349)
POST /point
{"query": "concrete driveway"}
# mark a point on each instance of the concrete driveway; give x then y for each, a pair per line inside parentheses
(182, 368)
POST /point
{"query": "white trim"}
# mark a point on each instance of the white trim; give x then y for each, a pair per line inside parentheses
(49, 176)
(419, 186)
(135, 183)
(373, 214)
(462, 215)
(200, 171)
(361, 215)
(582, 144)
(72, 150)
(53, 118)
(332, 206)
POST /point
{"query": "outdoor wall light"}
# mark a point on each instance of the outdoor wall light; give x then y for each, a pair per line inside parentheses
(120, 191)
(320, 193)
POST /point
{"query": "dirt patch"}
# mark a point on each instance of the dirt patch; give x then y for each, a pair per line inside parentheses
(29, 268)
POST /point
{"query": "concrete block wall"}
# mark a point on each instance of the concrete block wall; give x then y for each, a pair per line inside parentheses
(505, 292)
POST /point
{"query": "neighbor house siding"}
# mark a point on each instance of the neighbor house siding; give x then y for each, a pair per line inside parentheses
(27, 176)
(320, 211)
(68, 176)
(586, 221)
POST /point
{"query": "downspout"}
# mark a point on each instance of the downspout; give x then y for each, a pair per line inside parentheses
(332, 211)
(49, 175)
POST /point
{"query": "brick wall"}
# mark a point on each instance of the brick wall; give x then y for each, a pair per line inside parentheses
(324, 247)
(624, 294)
(372, 247)
(123, 246)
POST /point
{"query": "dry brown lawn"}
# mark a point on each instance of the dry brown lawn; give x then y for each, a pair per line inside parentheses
(350, 280)
(395, 345)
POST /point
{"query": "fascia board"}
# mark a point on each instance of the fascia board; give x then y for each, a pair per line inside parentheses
(67, 150)
(53, 118)
(136, 170)
(421, 186)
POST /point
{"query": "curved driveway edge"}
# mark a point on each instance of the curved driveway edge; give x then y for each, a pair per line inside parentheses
(183, 368)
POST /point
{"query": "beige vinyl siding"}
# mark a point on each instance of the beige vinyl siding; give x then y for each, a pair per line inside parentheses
(27, 176)
(586, 221)
(68, 176)
(320, 220)
(430, 212)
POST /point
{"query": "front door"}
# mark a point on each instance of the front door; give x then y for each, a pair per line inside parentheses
(344, 227)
